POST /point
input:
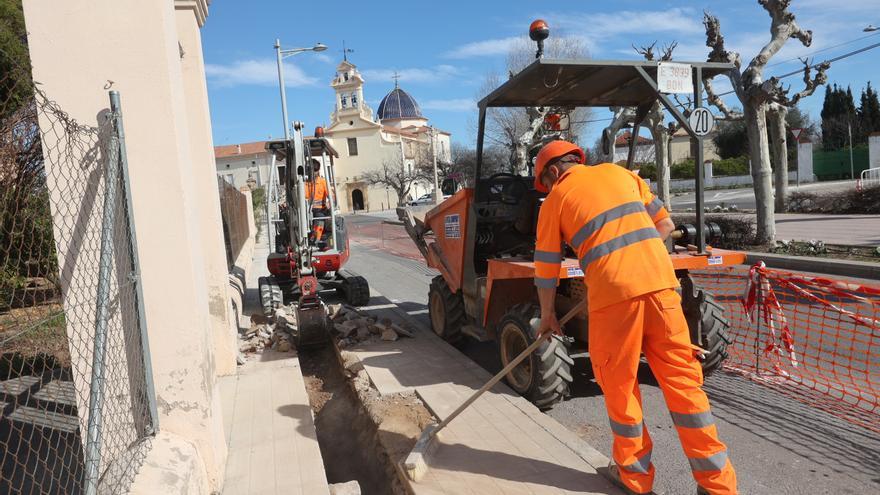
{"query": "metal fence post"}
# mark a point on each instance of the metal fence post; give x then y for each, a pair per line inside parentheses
(135, 275)
(105, 268)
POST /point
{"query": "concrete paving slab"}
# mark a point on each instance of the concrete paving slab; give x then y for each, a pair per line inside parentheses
(16, 386)
(273, 446)
(501, 444)
(58, 391)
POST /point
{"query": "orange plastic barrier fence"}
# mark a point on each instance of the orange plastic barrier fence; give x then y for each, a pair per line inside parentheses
(388, 237)
(814, 339)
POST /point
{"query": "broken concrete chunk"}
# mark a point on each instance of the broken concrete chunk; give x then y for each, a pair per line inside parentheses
(240, 358)
(400, 330)
(375, 330)
(363, 333)
(389, 335)
(386, 321)
(347, 488)
(283, 346)
(344, 329)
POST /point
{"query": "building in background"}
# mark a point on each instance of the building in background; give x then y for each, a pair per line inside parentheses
(365, 142)
(237, 163)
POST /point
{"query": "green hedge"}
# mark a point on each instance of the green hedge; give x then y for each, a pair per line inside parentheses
(686, 170)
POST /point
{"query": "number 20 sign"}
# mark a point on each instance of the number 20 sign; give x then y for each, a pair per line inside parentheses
(701, 121)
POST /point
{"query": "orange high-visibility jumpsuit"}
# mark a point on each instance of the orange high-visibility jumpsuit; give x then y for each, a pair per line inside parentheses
(608, 215)
(318, 194)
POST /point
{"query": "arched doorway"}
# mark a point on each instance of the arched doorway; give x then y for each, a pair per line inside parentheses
(357, 200)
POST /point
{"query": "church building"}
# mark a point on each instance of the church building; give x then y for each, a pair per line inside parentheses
(397, 133)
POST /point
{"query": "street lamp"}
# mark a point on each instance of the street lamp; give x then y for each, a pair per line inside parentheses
(271, 193)
(281, 55)
(871, 27)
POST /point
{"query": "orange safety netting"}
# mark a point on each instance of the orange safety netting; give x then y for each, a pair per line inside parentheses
(389, 237)
(814, 339)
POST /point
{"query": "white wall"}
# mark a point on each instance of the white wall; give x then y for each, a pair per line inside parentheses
(874, 151)
(240, 167)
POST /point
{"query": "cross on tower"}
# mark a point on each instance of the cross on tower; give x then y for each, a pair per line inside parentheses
(345, 51)
(396, 78)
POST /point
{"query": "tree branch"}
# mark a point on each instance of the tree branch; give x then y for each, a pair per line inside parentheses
(718, 102)
(667, 51)
(783, 26)
(646, 51)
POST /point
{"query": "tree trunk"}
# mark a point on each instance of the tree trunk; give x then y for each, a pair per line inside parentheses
(759, 153)
(661, 160)
(780, 152)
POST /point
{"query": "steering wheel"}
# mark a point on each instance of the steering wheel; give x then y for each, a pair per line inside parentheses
(510, 193)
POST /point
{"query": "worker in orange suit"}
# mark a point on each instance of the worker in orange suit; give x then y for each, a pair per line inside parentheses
(317, 193)
(613, 222)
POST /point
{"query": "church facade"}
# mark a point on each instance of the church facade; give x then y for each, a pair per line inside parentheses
(398, 135)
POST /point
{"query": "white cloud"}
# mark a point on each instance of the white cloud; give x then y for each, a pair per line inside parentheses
(499, 46)
(323, 57)
(606, 25)
(450, 105)
(256, 72)
(414, 75)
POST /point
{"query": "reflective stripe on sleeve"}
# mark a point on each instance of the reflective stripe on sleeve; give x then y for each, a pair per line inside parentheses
(599, 220)
(619, 242)
(714, 462)
(642, 464)
(546, 283)
(628, 431)
(693, 420)
(654, 207)
(548, 256)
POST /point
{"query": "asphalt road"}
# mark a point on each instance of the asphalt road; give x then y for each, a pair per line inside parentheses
(744, 198)
(777, 444)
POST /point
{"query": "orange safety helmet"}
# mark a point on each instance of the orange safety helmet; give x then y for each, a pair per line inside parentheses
(550, 152)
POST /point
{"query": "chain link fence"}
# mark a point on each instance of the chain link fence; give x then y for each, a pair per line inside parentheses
(77, 408)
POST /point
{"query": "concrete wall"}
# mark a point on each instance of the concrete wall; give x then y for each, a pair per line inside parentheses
(805, 169)
(77, 47)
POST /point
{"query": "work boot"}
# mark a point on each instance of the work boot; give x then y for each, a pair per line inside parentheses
(701, 490)
(614, 474)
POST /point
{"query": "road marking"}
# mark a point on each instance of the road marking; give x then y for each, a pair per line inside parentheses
(418, 312)
(378, 306)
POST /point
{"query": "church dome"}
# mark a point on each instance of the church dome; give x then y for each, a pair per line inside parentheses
(398, 104)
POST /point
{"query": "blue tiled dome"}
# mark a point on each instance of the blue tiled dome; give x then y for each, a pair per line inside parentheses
(398, 104)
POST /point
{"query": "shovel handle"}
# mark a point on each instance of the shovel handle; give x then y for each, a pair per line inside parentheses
(501, 374)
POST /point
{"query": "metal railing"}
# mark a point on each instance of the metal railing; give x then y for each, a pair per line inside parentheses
(869, 178)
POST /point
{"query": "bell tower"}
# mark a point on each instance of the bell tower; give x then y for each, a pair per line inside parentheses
(349, 86)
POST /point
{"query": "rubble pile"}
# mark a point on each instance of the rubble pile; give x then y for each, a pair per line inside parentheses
(267, 334)
(353, 326)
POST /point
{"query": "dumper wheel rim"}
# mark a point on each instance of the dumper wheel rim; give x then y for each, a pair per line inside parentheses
(548, 368)
(445, 310)
(707, 325)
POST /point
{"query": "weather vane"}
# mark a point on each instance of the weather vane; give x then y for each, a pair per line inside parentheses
(345, 51)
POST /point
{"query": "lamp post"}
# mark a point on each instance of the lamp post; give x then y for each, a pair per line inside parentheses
(438, 195)
(281, 55)
(870, 27)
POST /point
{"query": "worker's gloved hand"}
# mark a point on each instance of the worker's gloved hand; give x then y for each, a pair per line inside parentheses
(549, 326)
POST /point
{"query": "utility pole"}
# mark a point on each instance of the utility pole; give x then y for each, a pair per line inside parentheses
(852, 172)
(438, 195)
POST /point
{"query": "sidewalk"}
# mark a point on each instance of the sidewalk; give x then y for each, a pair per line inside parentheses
(853, 230)
(502, 444)
(270, 430)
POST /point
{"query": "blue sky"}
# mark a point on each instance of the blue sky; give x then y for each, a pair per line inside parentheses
(443, 56)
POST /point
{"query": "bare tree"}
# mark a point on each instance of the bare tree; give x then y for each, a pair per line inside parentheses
(760, 98)
(518, 130)
(399, 175)
(654, 122)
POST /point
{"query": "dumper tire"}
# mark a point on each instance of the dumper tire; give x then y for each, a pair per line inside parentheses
(707, 324)
(445, 310)
(544, 377)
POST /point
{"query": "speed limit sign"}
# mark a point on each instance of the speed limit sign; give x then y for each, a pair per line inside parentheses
(701, 121)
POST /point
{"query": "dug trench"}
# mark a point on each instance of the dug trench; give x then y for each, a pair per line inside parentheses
(362, 435)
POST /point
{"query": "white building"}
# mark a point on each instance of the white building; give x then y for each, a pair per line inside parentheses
(365, 142)
(239, 162)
